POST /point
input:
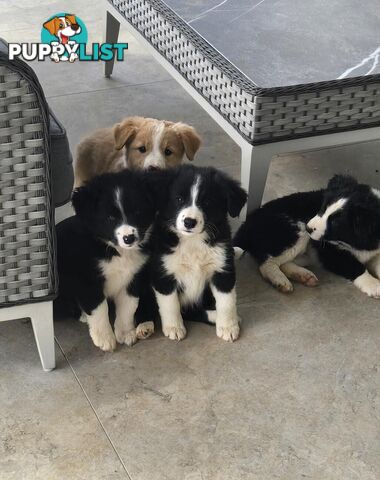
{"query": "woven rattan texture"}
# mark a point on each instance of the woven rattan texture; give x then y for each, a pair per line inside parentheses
(317, 112)
(260, 115)
(26, 233)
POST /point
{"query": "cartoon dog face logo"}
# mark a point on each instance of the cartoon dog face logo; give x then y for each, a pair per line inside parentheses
(63, 27)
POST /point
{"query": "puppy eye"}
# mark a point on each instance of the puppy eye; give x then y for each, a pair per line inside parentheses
(179, 199)
(168, 152)
(142, 149)
(61, 25)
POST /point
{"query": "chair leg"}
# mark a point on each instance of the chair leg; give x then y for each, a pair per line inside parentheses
(43, 328)
(255, 161)
(111, 36)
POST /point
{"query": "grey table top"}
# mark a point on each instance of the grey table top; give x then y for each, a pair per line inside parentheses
(288, 42)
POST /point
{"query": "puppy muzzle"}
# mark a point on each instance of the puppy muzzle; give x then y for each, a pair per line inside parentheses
(127, 236)
(316, 228)
(190, 221)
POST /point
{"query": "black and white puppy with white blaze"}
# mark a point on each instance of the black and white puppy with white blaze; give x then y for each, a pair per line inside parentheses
(102, 252)
(193, 271)
(343, 223)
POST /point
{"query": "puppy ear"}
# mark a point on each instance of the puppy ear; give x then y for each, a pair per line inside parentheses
(339, 182)
(85, 200)
(190, 139)
(235, 194)
(51, 26)
(125, 131)
(71, 18)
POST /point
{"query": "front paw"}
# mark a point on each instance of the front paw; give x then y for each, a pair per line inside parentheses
(144, 330)
(174, 333)
(104, 339)
(229, 333)
(129, 337)
(368, 285)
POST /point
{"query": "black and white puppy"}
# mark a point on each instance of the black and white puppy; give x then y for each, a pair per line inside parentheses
(343, 222)
(102, 252)
(193, 262)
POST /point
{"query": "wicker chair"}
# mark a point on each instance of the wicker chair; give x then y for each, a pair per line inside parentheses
(28, 279)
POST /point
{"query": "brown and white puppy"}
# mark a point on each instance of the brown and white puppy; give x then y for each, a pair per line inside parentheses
(136, 143)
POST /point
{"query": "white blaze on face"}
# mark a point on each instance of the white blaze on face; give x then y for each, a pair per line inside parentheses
(126, 235)
(155, 158)
(318, 224)
(190, 219)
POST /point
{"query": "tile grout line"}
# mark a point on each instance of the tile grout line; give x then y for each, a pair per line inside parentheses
(93, 409)
(108, 89)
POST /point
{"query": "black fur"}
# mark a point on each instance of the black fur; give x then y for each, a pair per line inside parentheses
(275, 227)
(218, 196)
(87, 239)
(271, 229)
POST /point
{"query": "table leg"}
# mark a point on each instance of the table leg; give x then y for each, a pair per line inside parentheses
(111, 36)
(255, 161)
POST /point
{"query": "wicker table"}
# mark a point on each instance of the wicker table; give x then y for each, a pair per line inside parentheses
(278, 77)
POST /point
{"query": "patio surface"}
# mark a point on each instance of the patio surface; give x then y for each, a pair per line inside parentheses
(296, 397)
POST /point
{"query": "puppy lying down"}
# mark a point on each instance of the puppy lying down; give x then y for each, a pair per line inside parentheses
(137, 143)
(341, 224)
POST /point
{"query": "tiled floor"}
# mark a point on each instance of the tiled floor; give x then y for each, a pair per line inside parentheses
(296, 397)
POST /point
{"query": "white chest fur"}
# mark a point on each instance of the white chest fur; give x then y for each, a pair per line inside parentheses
(192, 263)
(119, 271)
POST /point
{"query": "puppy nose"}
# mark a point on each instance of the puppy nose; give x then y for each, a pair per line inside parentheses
(129, 239)
(189, 222)
(153, 168)
(309, 230)
(74, 26)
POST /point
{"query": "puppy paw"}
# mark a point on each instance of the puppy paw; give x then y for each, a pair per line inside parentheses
(144, 330)
(228, 333)
(174, 333)
(306, 277)
(127, 337)
(104, 339)
(368, 285)
(311, 281)
(284, 286)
